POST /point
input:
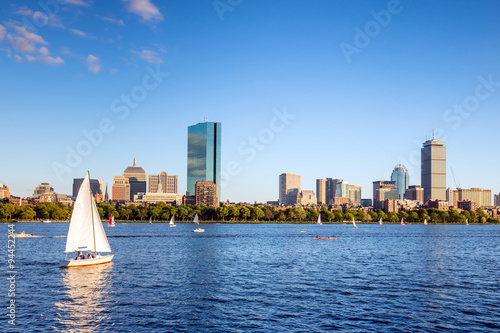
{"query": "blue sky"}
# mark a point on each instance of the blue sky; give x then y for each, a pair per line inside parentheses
(363, 84)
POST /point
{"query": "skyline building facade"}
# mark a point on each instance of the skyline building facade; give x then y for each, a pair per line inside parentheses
(162, 183)
(415, 192)
(321, 191)
(433, 170)
(289, 189)
(136, 177)
(383, 190)
(402, 178)
(206, 193)
(204, 156)
(95, 186)
(120, 189)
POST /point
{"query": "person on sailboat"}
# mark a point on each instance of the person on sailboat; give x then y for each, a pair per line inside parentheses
(78, 255)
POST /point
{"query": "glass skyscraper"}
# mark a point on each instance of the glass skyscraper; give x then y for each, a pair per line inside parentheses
(204, 155)
(402, 179)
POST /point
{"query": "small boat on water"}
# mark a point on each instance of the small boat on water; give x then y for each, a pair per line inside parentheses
(111, 222)
(302, 230)
(86, 232)
(467, 221)
(319, 219)
(23, 235)
(354, 224)
(402, 221)
(380, 222)
(172, 224)
(151, 220)
(47, 221)
(425, 221)
(196, 221)
(325, 238)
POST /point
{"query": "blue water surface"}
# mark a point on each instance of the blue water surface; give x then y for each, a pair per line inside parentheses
(261, 278)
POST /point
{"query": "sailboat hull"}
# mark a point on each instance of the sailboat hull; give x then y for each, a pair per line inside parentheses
(86, 262)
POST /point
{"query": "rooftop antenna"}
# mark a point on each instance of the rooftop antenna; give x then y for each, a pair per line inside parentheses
(457, 187)
(433, 134)
(205, 119)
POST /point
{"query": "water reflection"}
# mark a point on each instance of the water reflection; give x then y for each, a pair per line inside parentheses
(85, 309)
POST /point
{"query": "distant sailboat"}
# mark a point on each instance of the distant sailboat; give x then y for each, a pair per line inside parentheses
(380, 222)
(197, 222)
(402, 221)
(86, 232)
(171, 224)
(354, 224)
(151, 220)
(467, 221)
(111, 222)
(425, 221)
(319, 219)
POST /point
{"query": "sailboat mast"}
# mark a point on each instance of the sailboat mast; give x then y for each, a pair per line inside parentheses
(92, 212)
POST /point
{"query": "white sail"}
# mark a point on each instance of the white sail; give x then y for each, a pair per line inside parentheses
(354, 223)
(196, 219)
(172, 220)
(467, 221)
(86, 232)
(319, 219)
(380, 222)
(425, 221)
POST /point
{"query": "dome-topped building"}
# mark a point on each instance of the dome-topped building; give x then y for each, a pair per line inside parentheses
(137, 179)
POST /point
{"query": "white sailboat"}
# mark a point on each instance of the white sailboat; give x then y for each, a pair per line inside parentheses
(467, 221)
(380, 222)
(425, 221)
(402, 221)
(172, 224)
(86, 232)
(151, 220)
(319, 219)
(354, 224)
(197, 222)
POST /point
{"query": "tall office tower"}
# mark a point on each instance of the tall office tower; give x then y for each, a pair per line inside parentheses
(106, 196)
(433, 170)
(402, 179)
(384, 190)
(336, 188)
(120, 189)
(321, 191)
(95, 186)
(205, 193)
(204, 156)
(354, 194)
(136, 177)
(497, 199)
(162, 183)
(289, 189)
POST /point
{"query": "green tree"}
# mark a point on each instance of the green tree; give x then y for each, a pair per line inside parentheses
(381, 215)
(256, 213)
(392, 216)
(222, 212)
(280, 216)
(413, 216)
(244, 213)
(233, 212)
(300, 213)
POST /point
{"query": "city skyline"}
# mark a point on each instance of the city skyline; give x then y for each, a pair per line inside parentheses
(66, 82)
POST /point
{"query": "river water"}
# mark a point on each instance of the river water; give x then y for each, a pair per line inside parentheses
(261, 278)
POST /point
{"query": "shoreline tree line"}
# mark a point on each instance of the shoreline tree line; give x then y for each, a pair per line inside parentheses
(162, 212)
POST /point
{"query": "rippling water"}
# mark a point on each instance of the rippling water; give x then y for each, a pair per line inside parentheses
(263, 278)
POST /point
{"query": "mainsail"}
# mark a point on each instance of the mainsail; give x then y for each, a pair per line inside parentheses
(86, 232)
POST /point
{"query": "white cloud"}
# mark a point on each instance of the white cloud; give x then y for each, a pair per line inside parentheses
(144, 8)
(93, 64)
(18, 58)
(3, 32)
(77, 3)
(109, 19)
(82, 34)
(65, 50)
(25, 11)
(43, 57)
(151, 57)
